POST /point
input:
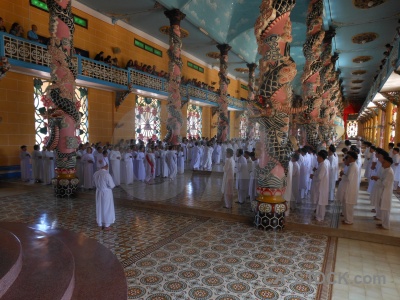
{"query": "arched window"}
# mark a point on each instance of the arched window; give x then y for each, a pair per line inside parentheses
(147, 118)
(352, 129)
(41, 113)
(244, 123)
(194, 121)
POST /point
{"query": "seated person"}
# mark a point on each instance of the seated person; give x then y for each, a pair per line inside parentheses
(17, 30)
(99, 56)
(32, 34)
(129, 64)
(2, 27)
(107, 60)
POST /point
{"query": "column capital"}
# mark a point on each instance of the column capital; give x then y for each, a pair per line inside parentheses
(224, 48)
(175, 16)
(252, 67)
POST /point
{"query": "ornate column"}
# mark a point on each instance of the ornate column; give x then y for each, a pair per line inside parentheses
(375, 131)
(223, 119)
(60, 102)
(272, 108)
(174, 122)
(251, 97)
(388, 124)
(311, 75)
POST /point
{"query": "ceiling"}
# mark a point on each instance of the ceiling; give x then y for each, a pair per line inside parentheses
(212, 22)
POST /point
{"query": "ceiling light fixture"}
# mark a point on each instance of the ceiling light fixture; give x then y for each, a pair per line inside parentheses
(203, 31)
(370, 3)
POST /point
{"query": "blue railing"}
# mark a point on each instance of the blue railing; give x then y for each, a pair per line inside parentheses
(32, 55)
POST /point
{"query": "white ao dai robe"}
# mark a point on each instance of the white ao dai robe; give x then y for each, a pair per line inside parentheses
(105, 212)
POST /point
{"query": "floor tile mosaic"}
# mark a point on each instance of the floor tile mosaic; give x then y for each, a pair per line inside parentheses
(225, 260)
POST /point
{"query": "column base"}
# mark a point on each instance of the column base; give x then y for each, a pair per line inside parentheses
(65, 187)
(269, 216)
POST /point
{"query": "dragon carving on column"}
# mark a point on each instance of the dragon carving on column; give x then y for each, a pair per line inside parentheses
(174, 122)
(272, 110)
(60, 100)
(223, 120)
(311, 77)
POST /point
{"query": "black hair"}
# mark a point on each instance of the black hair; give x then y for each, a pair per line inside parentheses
(352, 154)
(323, 154)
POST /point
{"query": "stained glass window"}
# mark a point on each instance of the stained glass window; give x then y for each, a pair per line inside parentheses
(194, 121)
(244, 121)
(147, 118)
(40, 87)
(352, 129)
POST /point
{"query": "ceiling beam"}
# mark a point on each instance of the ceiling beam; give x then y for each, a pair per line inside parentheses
(393, 97)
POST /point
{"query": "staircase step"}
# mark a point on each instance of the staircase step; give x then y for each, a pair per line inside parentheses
(10, 260)
(47, 266)
(98, 273)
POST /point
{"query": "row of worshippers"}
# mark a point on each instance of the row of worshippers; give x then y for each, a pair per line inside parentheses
(37, 165)
(304, 164)
(129, 164)
(380, 178)
(239, 173)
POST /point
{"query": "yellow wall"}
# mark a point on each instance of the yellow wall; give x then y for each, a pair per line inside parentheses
(105, 123)
(18, 116)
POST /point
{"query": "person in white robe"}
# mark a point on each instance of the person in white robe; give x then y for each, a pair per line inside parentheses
(48, 165)
(377, 187)
(304, 173)
(25, 158)
(208, 154)
(242, 177)
(367, 157)
(358, 142)
(320, 186)
(170, 158)
(391, 146)
(228, 179)
(349, 190)
(196, 157)
(150, 165)
(333, 171)
(373, 167)
(217, 151)
(385, 199)
(37, 164)
(358, 161)
(79, 164)
(105, 212)
(115, 161)
(164, 165)
(128, 165)
(181, 161)
(253, 179)
(223, 151)
(123, 171)
(295, 196)
(394, 166)
(88, 169)
(140, 157)
(158, 161)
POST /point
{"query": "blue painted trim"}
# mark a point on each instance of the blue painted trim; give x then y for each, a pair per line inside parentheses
(28, 65)
(203, 101)
(9, 168)
(80, 76)
(103, 82)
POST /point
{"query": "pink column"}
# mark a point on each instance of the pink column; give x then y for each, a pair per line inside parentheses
(274, 106)
(174, 122)
(223, 120)
(250, 98)
(60, 101)
(311, 74)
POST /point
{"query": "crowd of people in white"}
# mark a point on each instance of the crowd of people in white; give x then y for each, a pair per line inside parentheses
(312, 174)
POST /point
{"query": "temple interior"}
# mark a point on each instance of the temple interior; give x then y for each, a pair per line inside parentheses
(206, 63)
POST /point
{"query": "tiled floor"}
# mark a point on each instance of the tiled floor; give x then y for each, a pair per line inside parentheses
(373, 271)
(177, 242)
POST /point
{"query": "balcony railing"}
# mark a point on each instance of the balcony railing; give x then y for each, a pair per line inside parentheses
(31, 55)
